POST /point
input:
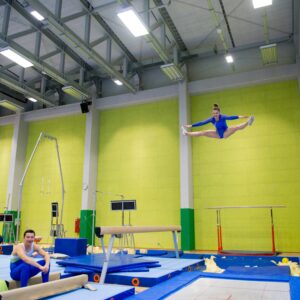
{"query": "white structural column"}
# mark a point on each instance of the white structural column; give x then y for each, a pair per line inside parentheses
(90, 159)
(89, 182)
(186, 187)
(297, 36)
(186, 180)
(17, 161)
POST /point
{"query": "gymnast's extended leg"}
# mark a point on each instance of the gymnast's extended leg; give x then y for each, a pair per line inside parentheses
(207, 133)
(231, 130)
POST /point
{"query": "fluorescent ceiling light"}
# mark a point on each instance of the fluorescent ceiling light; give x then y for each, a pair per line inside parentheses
(37, 15)
(11, 105)
(133, 22)
(74, 92)
(32, 99)
(117, 82)
(261, 3)
(269, 54)
(172, 71)
(15, 57)
(229, 58)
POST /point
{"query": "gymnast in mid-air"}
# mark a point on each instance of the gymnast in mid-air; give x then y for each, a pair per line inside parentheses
(219, 121)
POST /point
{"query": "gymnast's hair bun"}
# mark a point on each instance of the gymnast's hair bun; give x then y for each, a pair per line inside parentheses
(216, 107)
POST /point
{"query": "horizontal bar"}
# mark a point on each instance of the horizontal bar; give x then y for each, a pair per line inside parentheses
(247, 206)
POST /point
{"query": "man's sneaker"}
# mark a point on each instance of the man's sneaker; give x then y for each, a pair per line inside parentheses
(251, 120)
(183, 130)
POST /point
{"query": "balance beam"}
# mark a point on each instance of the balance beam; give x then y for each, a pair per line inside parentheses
(117, 230)
(47, 289)
(136, 229)
(13, 284)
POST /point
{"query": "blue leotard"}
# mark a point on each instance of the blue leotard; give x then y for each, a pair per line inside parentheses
(220, 125)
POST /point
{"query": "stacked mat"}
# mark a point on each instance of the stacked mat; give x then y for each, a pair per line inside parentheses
(87, 264)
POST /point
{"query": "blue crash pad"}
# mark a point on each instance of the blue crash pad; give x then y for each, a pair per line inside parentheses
(78, 270)
(116, 263)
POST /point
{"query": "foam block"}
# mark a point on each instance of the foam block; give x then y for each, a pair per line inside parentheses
(71, 246)
(6, 249)
(117, 262)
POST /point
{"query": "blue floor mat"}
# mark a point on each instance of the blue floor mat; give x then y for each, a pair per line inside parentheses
(170, 267)
(160, 253)
(104, 292)
(261, 261)
(264, 271)
(166, 288)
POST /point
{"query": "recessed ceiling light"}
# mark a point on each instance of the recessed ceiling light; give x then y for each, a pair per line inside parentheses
(133, 22)
(117, 82)
(261, 3)
(229, 58)
(37, 15)
(15, 57)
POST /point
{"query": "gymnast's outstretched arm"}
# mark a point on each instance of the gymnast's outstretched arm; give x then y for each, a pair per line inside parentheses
(209, 120)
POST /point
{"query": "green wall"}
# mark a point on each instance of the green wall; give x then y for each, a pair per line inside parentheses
(257, 166)
(139, 157)
(42, 183)
(6, 134)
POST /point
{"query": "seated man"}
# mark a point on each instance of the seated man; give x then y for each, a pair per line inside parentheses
(23, 266)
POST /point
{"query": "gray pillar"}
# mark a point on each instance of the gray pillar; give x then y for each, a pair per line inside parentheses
(186, 186)
(186, 180)
(90, 159)
(88, 205)
(17, 162)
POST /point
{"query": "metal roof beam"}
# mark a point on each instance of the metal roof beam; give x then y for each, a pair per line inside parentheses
(73, 17)
(296, 29)
(21, 34)
(37, 47)
(74, 41)
(99, 41)
(23, 89)
(5, 21)
(217, 24)
(58, 7)
(44, 57)
(52, 37)
(170, 24)
(109, 31)
(105, 3)
(227, 23)
(159, 49)
(42, 66)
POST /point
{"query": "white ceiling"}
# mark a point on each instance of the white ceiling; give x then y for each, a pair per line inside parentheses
(193, 19)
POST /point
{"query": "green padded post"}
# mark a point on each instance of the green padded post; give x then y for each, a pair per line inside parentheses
(86, 225)
(188, 229)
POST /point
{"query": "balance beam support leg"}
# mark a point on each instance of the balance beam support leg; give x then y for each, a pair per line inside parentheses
(107, 256)
(175, 243)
